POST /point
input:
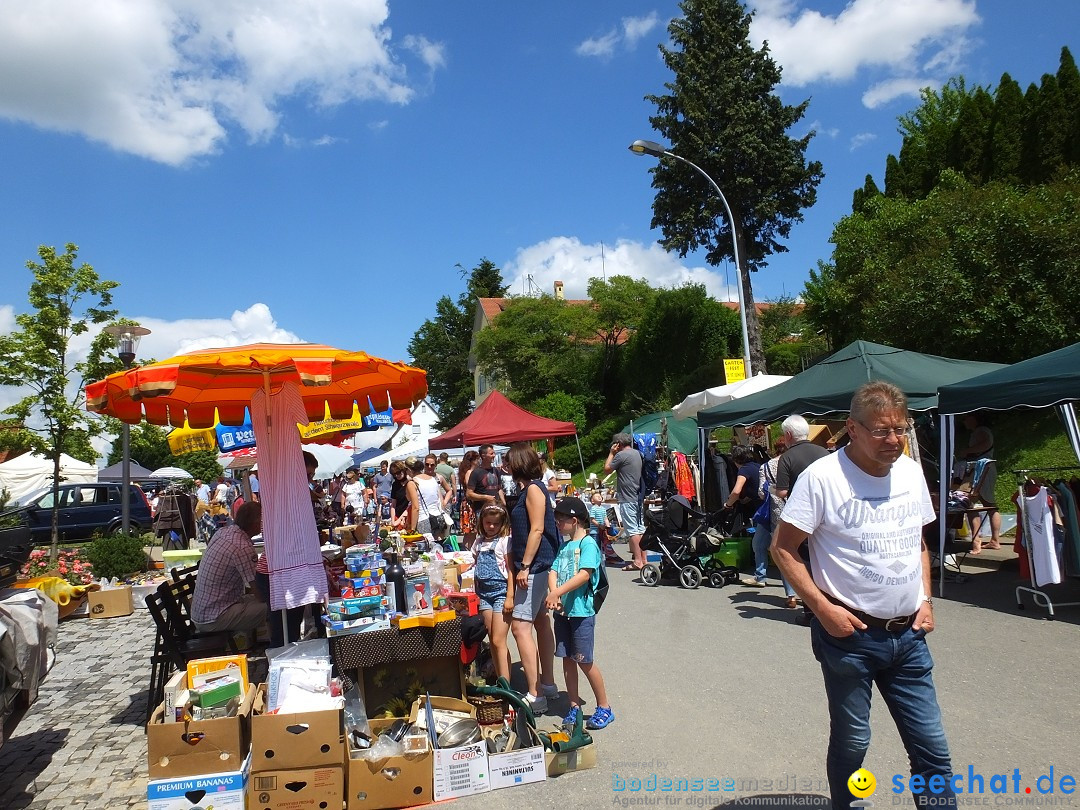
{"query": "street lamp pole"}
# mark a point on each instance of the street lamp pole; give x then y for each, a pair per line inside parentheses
(654, 149)
(127, 338)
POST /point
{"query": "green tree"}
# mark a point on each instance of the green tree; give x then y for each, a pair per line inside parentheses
(619, 304)
(66, 300)
(720, 111)
(684, 331)
(861, 195)
(790, 339)
(149, 445)
(535, 347)
(203, 464)
(441, 345)
(1006, 141)
(971, 272)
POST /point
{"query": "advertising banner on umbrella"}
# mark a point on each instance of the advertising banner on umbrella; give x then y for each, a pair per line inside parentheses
(191, 440)
(235, 437)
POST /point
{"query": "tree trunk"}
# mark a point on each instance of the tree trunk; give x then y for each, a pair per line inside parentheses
(753, 327)
(54, 553)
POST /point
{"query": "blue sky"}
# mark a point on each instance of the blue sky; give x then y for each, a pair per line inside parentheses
(319, 172)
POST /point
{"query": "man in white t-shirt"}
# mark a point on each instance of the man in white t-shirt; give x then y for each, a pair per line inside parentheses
(354, 494)
(862, 510)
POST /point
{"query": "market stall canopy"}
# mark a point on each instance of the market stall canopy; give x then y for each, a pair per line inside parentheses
(29, 473)
(682, 434)
(115, 472)
(826, 387)
(690, 406)
(1049, 379)
(499, 421)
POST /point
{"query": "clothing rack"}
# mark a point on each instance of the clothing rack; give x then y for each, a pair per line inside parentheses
(1040, 597)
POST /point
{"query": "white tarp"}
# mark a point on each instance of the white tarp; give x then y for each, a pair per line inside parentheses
(413, 447)
(690, 406)
(29, 473)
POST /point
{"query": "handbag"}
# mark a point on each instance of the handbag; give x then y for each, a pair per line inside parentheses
(436, 520)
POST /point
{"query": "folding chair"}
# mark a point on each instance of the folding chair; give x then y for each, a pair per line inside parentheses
(178, 640)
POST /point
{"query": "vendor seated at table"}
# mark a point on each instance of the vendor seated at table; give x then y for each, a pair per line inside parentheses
(227, 570)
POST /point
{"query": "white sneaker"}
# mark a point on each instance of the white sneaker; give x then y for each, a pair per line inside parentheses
(537, 704)
(549, 690)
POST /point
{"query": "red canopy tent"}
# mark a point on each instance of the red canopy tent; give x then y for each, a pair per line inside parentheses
(499, 421)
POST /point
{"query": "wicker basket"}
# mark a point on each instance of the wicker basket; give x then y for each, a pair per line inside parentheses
(489, 709)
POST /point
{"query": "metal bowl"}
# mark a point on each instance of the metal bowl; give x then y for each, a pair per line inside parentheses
(460, 732)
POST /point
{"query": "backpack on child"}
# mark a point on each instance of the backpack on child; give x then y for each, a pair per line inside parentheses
(600, 592)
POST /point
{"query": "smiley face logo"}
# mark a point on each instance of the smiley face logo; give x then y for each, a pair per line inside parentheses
(862, 783)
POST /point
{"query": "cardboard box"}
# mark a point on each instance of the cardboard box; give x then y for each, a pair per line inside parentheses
(175, 697)
(580, 759)
(417, 714)
(518, 767)
(111, 603)
(222, 791)
(380, 684)
(297, 789)
(201, 670)
(461, 771)
(402, 781)
(198, 746)
(292, 741)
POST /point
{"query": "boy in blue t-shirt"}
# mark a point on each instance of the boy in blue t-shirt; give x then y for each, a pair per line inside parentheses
(573, 577)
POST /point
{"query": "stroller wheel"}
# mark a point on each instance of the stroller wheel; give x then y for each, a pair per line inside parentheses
(690, 577)
(717, 579)
(650, 574)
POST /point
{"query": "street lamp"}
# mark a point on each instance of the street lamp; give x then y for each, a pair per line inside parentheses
(657, 151)
(127, 337)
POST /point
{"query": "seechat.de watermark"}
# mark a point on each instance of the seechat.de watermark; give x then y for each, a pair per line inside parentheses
(970, 788)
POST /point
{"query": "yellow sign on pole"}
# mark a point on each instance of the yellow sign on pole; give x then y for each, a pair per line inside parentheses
(734, 370)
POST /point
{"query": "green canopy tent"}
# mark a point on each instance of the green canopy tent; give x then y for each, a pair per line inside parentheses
(1049, 380)
(827, 387)
(681, 433)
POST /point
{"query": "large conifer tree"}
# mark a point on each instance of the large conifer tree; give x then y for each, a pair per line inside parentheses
(720, 112)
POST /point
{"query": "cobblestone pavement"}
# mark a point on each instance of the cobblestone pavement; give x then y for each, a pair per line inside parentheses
(82, 744)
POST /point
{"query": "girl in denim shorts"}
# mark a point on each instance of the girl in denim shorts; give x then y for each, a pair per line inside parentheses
(494, 586)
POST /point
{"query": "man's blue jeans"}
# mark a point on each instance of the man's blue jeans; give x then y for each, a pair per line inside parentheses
(900, 665)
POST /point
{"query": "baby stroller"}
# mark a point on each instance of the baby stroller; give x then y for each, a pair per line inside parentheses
(688, 541)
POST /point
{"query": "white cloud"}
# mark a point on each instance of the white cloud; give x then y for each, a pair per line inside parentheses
(897, 39)
(166, 79)
(628, 33)
(861, 139)
(255, 324)
(566, 259)
(884, 92)
(819, 128)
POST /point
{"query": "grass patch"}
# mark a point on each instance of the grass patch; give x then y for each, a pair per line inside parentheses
(1024, 439)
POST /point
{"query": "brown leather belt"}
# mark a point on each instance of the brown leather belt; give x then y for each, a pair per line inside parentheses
(897, 624)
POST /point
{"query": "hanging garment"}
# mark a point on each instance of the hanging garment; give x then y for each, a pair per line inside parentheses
(1071, 523)
(684, 478)
(1039, 532)
(295, 562)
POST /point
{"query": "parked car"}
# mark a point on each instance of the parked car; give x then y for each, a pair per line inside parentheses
(84, 509)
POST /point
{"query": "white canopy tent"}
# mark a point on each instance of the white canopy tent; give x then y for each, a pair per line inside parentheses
(332, 460)
(29, 473)
(414, 447)
(689, 407)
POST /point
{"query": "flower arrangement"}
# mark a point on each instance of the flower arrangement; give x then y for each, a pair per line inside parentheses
(71, 565)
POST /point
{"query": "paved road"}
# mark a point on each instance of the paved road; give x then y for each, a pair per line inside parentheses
(706, 684)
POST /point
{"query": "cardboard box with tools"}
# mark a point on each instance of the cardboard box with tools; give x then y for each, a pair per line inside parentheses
(222, 791)
(519, 765)
(110, 603)
(290, 741)
(198, 746)
(396, 781)
(457, 769)
(297, 789)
